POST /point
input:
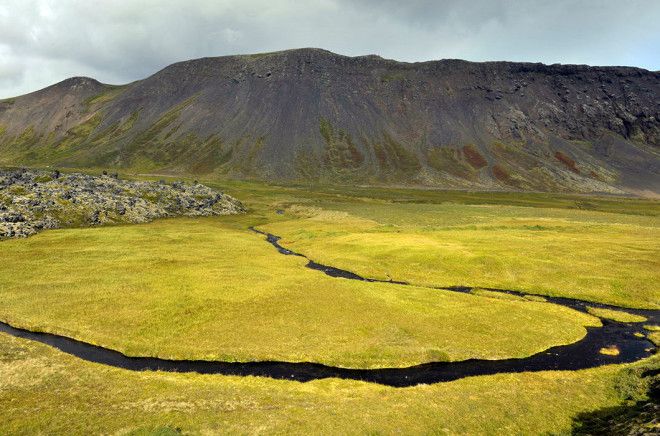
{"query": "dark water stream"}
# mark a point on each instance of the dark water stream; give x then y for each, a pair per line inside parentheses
(579, 355)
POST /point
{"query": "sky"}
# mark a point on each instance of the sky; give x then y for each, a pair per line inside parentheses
(118, 41)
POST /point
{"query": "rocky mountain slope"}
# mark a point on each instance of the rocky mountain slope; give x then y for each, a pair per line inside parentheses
(35, 200)
(310, 115)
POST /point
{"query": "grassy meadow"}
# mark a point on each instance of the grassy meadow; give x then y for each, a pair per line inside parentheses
(208, 288)
(145, 290)
(598, 256)
(44, 391)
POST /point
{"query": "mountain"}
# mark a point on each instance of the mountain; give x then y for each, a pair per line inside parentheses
(310, 115)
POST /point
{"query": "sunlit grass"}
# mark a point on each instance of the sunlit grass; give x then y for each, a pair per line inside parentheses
(197, 289)
(615, 315)
(210, 289)
(604, 257)
(46, 392)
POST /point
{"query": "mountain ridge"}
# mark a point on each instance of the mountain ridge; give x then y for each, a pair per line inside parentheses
(309, 115)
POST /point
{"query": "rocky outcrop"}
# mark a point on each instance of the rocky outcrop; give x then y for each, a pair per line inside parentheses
(31, 201)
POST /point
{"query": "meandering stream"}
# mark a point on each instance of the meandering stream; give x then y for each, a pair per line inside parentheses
(579, 355)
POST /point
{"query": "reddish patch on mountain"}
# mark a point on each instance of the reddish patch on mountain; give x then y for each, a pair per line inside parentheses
(567, 161)
(473, 157)
(501, 174)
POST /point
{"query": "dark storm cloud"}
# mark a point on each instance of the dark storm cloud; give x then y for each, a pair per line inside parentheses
(43, 41)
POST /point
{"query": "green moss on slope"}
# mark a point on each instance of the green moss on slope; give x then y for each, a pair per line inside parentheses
(340, 154)
(106, 96)
(393, 157)
(79, 134)
(149, 138)
(448, 159)
(117, 129)
(27, 138)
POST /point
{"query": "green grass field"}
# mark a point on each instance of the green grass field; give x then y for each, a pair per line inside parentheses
(173, 280)
(207, 288)
(44, 391)
(605, 257)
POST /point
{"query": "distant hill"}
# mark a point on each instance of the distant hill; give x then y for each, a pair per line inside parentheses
(310, 115)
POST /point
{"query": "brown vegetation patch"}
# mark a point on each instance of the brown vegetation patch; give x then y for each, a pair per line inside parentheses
(567, 161)
(474, 158)
(501, 174)
(446, 158)
(393, 155)
(597, 176)
(340, 150)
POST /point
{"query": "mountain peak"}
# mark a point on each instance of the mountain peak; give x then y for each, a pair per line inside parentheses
(309, 114)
